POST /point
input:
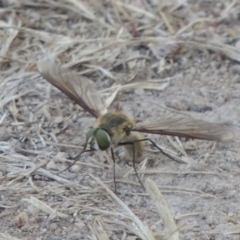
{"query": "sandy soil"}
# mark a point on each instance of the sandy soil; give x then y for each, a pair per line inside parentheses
(112, 43)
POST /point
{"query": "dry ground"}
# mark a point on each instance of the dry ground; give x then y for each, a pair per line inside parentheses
(187, 54)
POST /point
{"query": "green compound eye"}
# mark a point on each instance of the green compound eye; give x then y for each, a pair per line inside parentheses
(103, 139)
(90, 133)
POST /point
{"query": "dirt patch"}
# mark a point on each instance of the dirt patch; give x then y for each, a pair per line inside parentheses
(189, 49)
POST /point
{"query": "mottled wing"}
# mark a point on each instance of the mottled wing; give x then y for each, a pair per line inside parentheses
(79, 89)
(184, 126)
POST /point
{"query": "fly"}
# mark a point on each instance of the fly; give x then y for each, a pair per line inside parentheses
(116, 129)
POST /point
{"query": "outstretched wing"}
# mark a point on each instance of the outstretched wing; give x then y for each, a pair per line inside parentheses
(79, 89)
(183, 126)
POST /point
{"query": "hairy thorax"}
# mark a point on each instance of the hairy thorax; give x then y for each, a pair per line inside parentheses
(119, 126)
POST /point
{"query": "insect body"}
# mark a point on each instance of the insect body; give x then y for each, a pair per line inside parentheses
(116, 128)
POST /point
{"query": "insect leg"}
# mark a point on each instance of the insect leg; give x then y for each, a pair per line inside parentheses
(134, 162)
(114, 171)
(140, 140)
(156, 146)
(84, 150)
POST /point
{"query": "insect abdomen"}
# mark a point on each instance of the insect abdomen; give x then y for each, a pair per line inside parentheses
(137, 149)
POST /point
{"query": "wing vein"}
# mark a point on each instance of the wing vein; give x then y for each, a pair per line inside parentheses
(79, 89)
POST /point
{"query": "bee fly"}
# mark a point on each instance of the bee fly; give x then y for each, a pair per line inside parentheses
(116, 129)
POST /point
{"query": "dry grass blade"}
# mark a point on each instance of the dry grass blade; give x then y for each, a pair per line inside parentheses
(104, 71)
(86, 11)
(12, 33)
(44, 36)
(160, 171)
(43, 207)
(143, 230)
(15, 97)
(81, 7)
(216, 46)
(137, 10)
(225, 14)
(175, 155)
(50, 175)
(99, 232)
(163, 209)
(235, 232)
(178, 146)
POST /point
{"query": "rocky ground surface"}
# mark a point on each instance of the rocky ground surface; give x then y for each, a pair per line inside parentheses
(183, 58)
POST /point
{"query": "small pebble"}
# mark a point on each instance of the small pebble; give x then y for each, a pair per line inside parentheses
(79, 224)
(61, 155)
(75, 169)
(53, 226)
(34, 211)
(139, 91)
(53, 237)
(51, 165)
(58, 120)
(235, 69)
